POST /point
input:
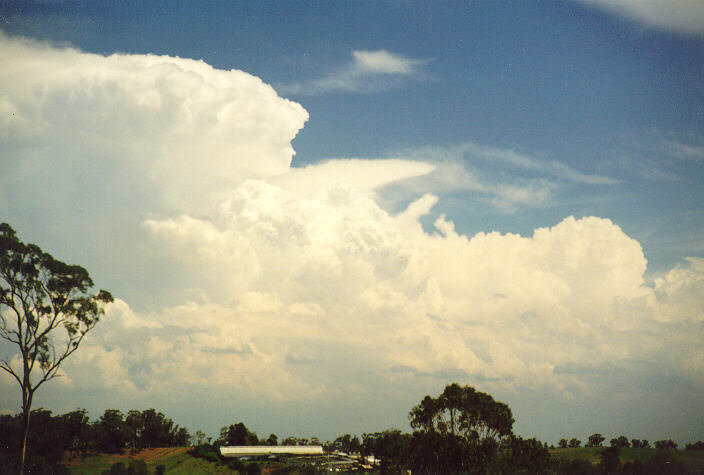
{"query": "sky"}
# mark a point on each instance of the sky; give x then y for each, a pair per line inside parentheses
(313, 214)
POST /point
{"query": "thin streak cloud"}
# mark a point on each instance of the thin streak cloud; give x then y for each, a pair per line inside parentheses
(503, 178)
(368, 72)
(681, 16)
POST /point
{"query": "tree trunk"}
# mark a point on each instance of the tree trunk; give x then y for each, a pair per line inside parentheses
(26, 411)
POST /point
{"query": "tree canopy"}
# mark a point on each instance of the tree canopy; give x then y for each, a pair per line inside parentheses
(45, 312)
(460, 429)
(464, 411)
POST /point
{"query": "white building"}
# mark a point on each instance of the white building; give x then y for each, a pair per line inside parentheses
(263, 450)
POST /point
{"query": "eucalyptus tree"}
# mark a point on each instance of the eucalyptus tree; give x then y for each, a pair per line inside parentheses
(459, 429)
(463, 411)
(46, 310)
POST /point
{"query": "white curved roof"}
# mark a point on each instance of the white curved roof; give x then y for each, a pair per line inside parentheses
(257, 450)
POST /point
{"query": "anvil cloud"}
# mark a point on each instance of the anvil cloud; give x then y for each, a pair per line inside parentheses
(241, 277)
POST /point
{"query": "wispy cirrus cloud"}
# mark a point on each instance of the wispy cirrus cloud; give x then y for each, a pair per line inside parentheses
(550, 167)
(502, 177)
(685, 151)
(369, 71)
(682, 16)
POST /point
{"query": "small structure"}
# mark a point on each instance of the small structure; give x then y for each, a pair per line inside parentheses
(266, 450)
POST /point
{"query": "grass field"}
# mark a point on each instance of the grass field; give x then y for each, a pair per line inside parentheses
(175, 459)
(693, 459)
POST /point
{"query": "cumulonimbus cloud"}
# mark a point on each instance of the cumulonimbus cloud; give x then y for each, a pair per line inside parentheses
(175, 179)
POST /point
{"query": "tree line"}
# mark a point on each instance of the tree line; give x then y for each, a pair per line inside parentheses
(460, 431)
(622, 442)
(52, 436)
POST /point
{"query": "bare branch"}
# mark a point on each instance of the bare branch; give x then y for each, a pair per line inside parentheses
(6, 366)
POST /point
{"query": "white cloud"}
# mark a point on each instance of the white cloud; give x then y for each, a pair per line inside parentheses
(685, 151)
(501, 308)
(509, 157)
(685, 16)
(679, 294)
(367, 175)
(173, 129)
(279, 284)
(369, 71)
(505, 179)
(383, 62)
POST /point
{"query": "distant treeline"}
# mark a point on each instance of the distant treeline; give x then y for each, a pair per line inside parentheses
(238, 434)
(51, 436)
(460, 431)
(622, 442)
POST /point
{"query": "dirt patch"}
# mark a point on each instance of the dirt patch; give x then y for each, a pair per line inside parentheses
(152, 455)
(148, 455)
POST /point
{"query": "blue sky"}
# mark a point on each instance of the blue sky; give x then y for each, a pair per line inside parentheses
(562, 81)
(440, 151)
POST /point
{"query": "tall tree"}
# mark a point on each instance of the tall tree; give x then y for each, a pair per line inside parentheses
(238, 434)
(112, 433)
(621, 442)
(595, 440)
(45, 311)
(464, 411)
(459, 429)
(666, 444)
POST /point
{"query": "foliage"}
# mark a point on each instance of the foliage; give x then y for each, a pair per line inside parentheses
(46, 445)
(574, 443)
(610, 462)
(211, 452)
(345, 443)
(50, 437)
(207, 452)
(620, 442)
(45, 312)
(135, 467)
(571, 466)
(114, 432)
(111, 432)
(695, 446)
(138, 430)
(668, 444)
(237, 434)
(200, 438)
(562, 443)
(459, 429)
(300, 441)
(644, 444)
(248, 468)
(464, 411)
(595, 440)
(664, 463)
(436, 452)
(632, 461)
(523, 455)
(391, 446)
(640, 443)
